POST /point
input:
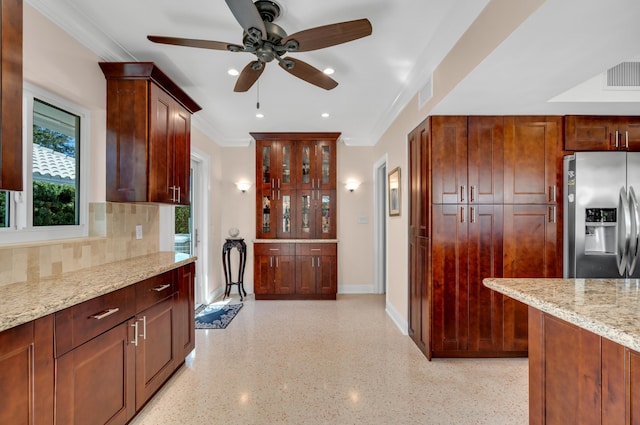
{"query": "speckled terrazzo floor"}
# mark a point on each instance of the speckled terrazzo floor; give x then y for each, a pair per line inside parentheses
(326, 362)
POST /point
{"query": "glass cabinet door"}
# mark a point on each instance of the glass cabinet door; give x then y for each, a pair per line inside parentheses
(284, 177)
(326, 227)
(285, 214)
(306, 218)
(325, 163)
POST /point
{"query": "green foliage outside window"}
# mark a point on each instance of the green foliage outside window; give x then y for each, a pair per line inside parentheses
(183, 214)
(53, 204)
(3, 209)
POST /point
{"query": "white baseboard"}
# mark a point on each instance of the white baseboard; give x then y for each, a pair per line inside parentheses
(356, 289)
(401, 322)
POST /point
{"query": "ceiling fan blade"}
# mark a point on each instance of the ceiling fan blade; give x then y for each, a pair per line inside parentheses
(308, 73)
(247, 16)
(190, 42)
(249, 76)
(330, 35)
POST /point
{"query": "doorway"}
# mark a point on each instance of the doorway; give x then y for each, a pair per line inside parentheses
(380, 225)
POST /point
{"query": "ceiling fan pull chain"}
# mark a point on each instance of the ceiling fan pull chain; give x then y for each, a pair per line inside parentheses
(258, 101)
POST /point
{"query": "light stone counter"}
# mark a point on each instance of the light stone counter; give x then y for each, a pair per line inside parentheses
(607, 307)
(25, 301)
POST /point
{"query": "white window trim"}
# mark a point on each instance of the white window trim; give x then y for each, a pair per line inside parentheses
(21, 232)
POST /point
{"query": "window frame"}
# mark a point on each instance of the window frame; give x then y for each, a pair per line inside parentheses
(21, 227)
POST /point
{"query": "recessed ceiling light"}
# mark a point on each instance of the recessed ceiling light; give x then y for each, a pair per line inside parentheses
(233, 72)
(259, 115)
(329, 71)
(325, 115)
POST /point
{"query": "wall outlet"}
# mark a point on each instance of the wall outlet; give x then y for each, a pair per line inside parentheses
(139, 231)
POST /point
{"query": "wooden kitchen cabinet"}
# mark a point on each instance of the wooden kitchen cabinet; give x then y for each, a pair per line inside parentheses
(27, 373)
(185, 309)
(316, 269)
(95, 381)
(578, 377)
(274, 270)
(148, 135)
(296, 199)
(483, 196)
(419, 251)
(601, 133)
(296, 184)
(115, 351)
(295, 270)
(467, 160)
(11, 95)
(466, 248)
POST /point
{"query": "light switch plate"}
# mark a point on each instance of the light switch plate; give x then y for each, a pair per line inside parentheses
(363, 219)
(139, 231)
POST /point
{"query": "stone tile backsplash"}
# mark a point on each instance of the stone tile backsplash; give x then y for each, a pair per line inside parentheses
(112, 237)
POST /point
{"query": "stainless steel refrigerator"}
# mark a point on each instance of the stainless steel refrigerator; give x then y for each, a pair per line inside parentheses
(601, 214)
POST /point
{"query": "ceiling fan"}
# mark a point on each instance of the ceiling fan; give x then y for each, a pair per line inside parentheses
(268, 41)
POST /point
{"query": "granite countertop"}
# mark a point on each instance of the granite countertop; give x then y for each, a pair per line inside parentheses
(25, 301)
(607, 307)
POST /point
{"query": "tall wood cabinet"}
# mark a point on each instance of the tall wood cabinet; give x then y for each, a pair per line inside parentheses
(476, 185)
(148, 135)
(295, 200)
(11, 94)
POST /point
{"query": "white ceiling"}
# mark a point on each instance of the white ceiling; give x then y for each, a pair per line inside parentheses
(563, 44)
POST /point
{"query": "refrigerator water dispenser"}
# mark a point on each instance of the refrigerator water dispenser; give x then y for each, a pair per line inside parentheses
(600, 231)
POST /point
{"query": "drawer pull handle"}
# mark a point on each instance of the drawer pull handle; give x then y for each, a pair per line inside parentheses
(134, 325)
(106, 313)
(274, 249)
(161, 287)
(316, 249)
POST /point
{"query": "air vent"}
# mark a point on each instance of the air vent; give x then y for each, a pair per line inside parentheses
(426, 93)
(626, 74)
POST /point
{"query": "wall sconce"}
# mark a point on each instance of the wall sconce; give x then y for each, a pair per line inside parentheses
(243, 186)
(352, 185)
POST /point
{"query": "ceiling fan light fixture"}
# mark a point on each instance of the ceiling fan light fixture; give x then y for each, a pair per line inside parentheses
(329, 71)
(233, 72)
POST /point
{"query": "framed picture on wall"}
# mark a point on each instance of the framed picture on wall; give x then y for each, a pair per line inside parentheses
(394, 192)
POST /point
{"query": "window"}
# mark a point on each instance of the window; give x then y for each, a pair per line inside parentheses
(53, 204)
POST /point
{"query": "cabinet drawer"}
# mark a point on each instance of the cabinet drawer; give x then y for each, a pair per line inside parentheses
(78, 324)
(154, 289)
(273, 249)
(316, 249)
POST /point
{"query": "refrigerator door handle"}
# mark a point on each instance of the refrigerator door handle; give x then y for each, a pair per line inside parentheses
(624, 232)
(634, 244)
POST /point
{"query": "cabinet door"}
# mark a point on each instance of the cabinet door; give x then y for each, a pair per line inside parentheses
(11, 95)
(530, 250)
(156, 350)
(449, 159)
(420, 295)
(284, 267)
(450, 278)
(285, 216)
(589, 133)
(325, 164)
(27, 373)
(306, 272)
(126, 152)
(630, 133)
(182, 154)
(185, 309)
(263, 275)
(485, 150)
(485, 260)
(161, 152)
(531, 155)
(282, 169)
(95, 381)
(327, 272)
(325, 227)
